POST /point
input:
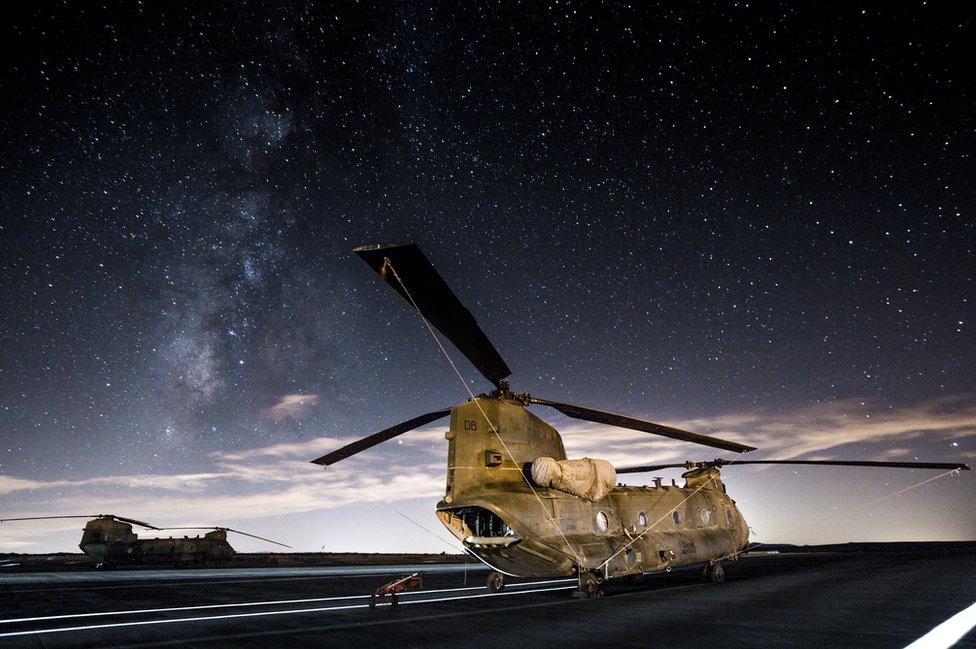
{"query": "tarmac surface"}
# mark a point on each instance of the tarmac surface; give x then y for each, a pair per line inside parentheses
(873, 599)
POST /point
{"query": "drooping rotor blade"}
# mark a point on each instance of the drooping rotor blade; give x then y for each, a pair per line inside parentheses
(44, 518)
(133, 522)
(947, 466)
(380, 437)
(111, 516)
(645, 468)
(254, 536)
(612, 419)
(229, 529)
(408, 271)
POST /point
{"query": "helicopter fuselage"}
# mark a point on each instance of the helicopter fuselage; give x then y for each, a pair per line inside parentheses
(113, 543)
(523, 529)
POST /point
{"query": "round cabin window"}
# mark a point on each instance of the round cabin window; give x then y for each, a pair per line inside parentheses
(642, 519)
(676, 517)
(602, 522)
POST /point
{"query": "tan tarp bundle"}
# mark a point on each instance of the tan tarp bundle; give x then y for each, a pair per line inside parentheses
(586, 478)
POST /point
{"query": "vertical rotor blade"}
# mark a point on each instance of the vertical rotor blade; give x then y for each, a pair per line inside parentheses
(407, 270)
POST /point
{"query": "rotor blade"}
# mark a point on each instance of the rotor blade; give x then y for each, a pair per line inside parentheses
(380, 437)
(228, 529)
(408, 271)
(254, 536)
(133, 521)
(612, 419)
(112, 516)
(654, 467)
(44, 518)
(948, 466)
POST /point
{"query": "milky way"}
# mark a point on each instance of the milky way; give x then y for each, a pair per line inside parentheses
(756, 220)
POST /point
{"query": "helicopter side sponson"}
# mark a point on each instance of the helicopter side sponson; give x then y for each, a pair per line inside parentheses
(491, 509)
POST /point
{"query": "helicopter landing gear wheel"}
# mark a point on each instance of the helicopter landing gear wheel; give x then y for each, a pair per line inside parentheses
(495, 582)
(714, 573)
(589, 585)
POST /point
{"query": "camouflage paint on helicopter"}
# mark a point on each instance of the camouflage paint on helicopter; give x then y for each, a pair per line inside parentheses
(113, 543)
(542, 527)
(491, 508)
(110, 541)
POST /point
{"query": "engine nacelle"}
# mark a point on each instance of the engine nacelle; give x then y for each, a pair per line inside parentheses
(587, 478)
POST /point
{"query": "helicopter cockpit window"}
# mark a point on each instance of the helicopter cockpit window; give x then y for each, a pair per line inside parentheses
(602, 521)
(642, 519)
(676, 516)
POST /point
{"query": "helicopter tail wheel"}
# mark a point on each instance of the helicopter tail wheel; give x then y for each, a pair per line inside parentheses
(495, 582)
(714, 573)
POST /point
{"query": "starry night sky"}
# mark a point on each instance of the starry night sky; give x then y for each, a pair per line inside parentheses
(754, 221)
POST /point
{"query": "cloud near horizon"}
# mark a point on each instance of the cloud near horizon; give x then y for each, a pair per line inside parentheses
(279, 479)
(810, 432)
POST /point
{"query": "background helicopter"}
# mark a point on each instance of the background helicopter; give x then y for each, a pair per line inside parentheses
(110, 541)
(516, 502)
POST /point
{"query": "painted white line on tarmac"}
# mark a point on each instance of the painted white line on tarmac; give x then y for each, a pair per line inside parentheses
(201, 607)
(115, 625)
(178, 608)
(949, 632)
(233, 574)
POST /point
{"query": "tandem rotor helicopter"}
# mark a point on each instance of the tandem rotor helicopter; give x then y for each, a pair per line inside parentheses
(110, 541)
(516, 502)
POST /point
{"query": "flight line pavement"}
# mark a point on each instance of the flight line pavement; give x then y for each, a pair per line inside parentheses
(868, 599)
